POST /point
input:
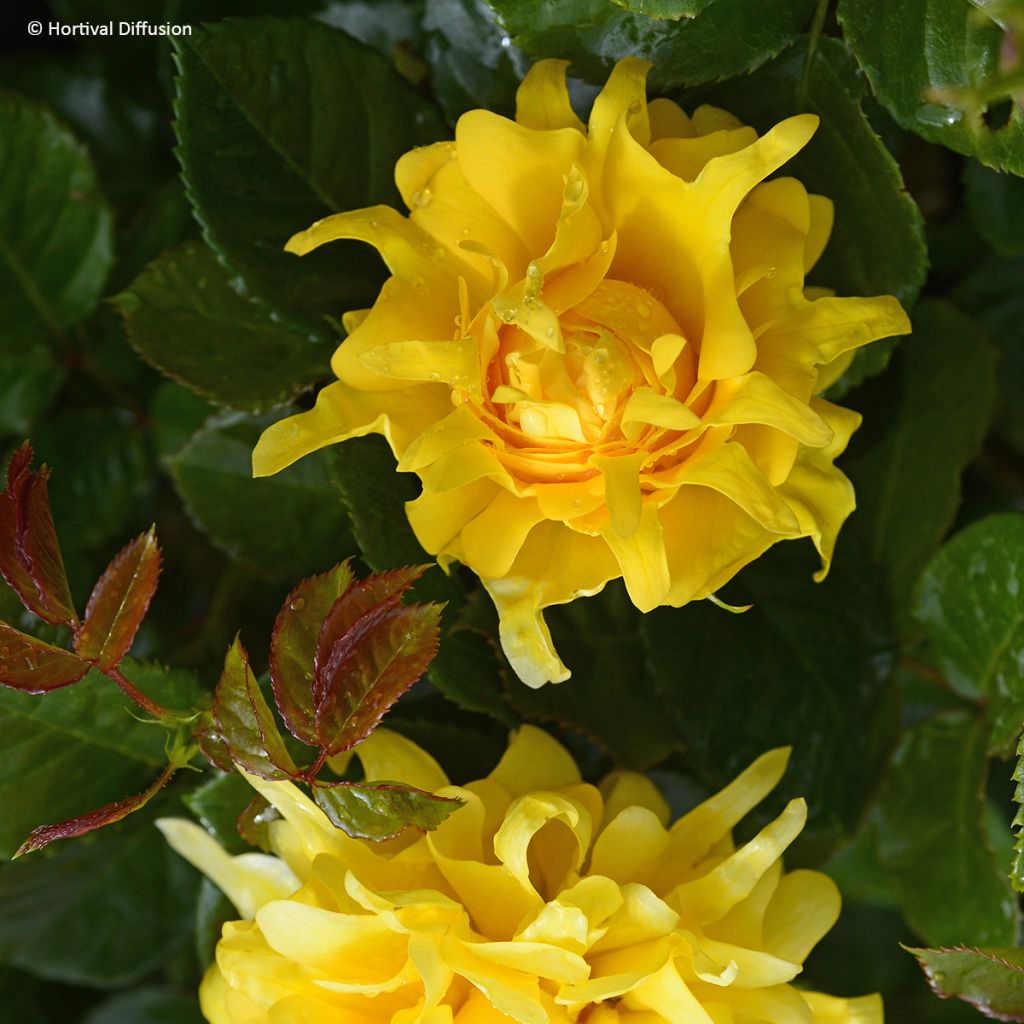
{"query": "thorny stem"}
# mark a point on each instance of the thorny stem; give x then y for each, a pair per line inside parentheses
(144, 702)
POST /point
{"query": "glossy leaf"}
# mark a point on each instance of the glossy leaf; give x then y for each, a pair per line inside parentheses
(245, 721)
(471, 59)
(727, 37)
(671, 9)
(599, 638)
(103, 476)
(108, 814)
(809, 666)
(931, 838)
(55, 229)
(149, 1005)
(184, 317)
(969, 602)
(119, 602)
(30, 378)
(381, 811)
(996, 204)
(32, 666)
(906, 467)
(991, 980)
(30, 556)
(89, 734)
(371, 650)
(933, 64)
(102, 912)
(247, 518)
(293, 647)
(217, 802)
(266, 155)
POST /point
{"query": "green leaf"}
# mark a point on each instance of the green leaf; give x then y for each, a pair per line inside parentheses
(217, 802)
(599, 640)
(991, 980)
(808, 666)
(147, 1006)
(930, 836)
(471, 59)
(101, 475)
(969, 602)
(669, 9)
(102, 911)
(371, 649)
(877, 245)
(996, 204)
(88, 734)
(183, 316)
(933, 64)
(726, 37)
(293, 647)
(119, 602)
(994, 298)
(265, 155)
(381, 811)
(55, 229)
(30, 378)
(1017, 867)
(285, 526)
(907, 466)
(245, 721)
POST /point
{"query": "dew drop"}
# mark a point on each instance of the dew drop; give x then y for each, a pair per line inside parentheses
(550, 332)
(298, 604)
(642, 309)
(434, 375)
(422, 198)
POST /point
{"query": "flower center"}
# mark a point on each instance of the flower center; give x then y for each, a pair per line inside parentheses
(577, 396)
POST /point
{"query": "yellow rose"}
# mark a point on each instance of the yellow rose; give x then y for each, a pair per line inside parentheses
(597, 352)
(543, 899)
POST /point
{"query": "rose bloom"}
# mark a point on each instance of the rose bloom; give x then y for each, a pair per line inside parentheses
(542, 899)
(597, 352)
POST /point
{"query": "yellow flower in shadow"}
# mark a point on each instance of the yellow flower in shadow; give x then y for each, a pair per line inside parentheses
(543, 900)
(597, 352)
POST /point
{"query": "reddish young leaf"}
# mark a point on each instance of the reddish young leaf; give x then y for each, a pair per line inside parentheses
(381, 811)
(254, 822)
(212, 744)
(29, 665)
(293, 647)
(370, 666)
(246, 723)
(106, 815)
(380, 591)
(30, 558)
(119, 602)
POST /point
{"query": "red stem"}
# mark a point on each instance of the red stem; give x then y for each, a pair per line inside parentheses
(144, 702)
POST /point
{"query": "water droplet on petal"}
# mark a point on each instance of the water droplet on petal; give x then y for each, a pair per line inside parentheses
(422, 198)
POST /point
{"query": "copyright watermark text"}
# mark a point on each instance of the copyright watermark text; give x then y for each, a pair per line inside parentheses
(107, 28)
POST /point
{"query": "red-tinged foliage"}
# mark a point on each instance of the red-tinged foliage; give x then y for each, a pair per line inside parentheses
(293, 647)
(106, 815)
(32, 666)
(211, 743)
(30, 558)
(369, 667)
(381, 810)
(245, 722)
(119, 602)
(253, 823)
